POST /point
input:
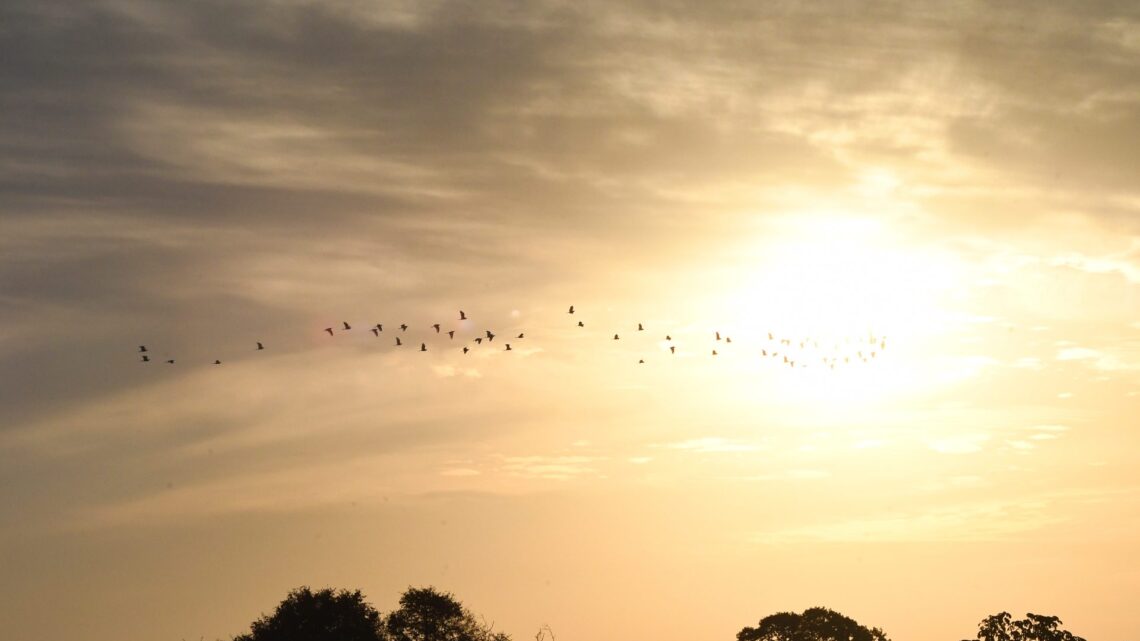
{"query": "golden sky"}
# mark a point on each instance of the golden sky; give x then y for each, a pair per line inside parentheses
(957, 179)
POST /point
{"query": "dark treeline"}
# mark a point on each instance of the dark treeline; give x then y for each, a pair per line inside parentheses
(426, 614)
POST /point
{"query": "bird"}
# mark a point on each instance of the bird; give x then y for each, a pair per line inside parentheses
(145, 358)
(728, 339)
(763, 352)
(170, 362)
(641, 361)
(479, 340)
(142, 348)
(423, 347)
(508, 348)
(718, 336)
(640, 329)
(329, 330)
(616, 337)
(451, 334)
(672, 349)
(521, 334)
(770, 337)
(668, 337)
(466, 349)
(490, 337)
(462, 316)
(436, 326)
(581, 324)
(398, 343)
(346, 325)
(375, 332)
(379, 327)
(714, 352)
(571, 310)
(259, 345)
(217, 362)
(403, 327)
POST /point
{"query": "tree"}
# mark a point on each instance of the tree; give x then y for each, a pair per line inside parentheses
(815, 624)
(428, 615)
(324, 615)
(1034, 627)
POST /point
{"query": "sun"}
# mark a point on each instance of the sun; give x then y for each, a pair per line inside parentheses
(850, 304)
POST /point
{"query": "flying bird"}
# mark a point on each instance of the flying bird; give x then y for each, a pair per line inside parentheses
(436, 326)
(668, 337)
(423, 347)
(490, 337)
(521, 334)
(217, 362)
(259, 345)
(616, 337)
(462, 316)
(581, 324)
(466, 349)
(398, 343)
(641, 361)
(718, 336)
(145, 358)
(346, 325)
(479, 340)
(403, 327)
(571, 310)
(728, 339)
(508, 348)
(379, 327)
(375, 332)
(142, 348)
(640, 329)
(451, 334)
(171, 361)
(329, 330)
(714, 352)
(672, 349)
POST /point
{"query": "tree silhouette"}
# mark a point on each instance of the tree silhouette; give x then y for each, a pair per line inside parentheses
(428, 615)
(815, 624)
(1034, 627)
(324, 615)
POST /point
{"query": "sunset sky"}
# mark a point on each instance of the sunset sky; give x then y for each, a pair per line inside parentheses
(958, 179)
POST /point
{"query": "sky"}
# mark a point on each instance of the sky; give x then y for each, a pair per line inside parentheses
(952, 185)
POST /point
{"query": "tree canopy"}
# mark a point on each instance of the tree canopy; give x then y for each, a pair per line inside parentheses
(815, 624)
(1034, 627)
(325, 615)
(426, 614)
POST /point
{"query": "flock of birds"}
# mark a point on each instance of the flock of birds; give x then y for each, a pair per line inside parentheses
(792, 352)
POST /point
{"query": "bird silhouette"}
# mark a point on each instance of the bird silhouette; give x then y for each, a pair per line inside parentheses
(489, 334)
(718, 336)
(508, 348)
(672, 349)
(451, 334)
(640, 329)
(581, 324)
(145, 359)
(375, 332)
(490, 337)
(217, 362)
(436, 326)
(479, 340)
(571, 310)
(398, 343)
(520, 334)
(728, 339)
(171, 361)
(616, 337)
(641, 361)
(142, 348)
(403, 327)
(346, 325)
(423, 347)
(668, 337)
(379, 327)
(329, 330)
(714, 352)
(462, 316)
(259, 345)
(466, 349)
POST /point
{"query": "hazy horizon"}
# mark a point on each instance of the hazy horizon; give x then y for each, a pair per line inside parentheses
(959, 180)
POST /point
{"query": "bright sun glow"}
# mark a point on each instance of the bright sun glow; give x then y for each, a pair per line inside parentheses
(856, 307)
